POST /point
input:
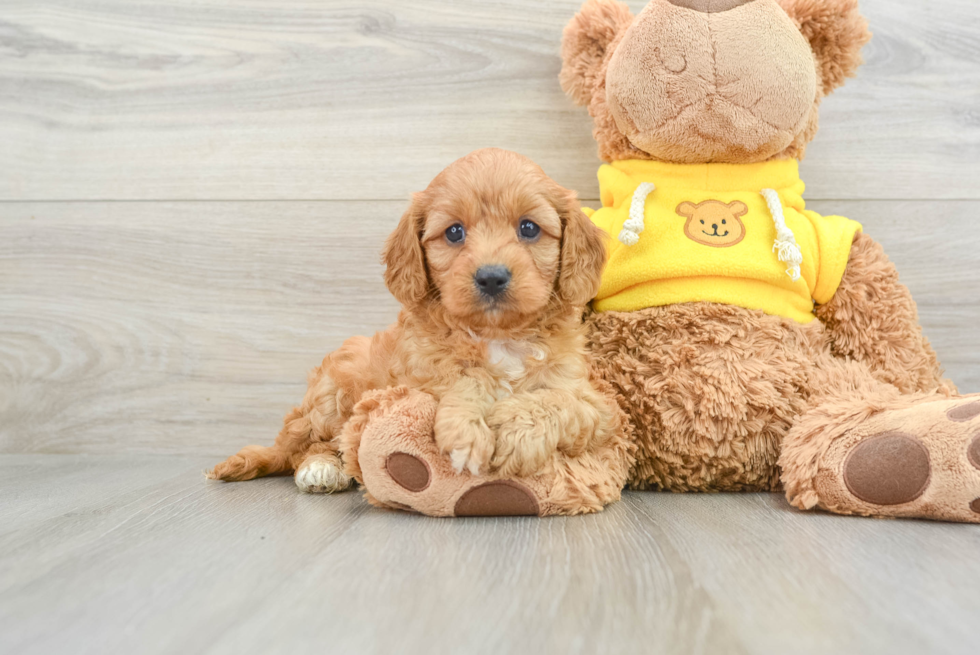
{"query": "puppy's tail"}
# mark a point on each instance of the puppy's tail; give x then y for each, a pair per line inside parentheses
(289, 450)
(251, 462)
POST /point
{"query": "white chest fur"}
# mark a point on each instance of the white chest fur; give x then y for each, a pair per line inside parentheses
(508, 361)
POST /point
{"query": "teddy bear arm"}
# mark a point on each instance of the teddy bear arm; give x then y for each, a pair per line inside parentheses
(873, 318)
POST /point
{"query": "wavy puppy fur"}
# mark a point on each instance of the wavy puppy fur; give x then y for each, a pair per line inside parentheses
(509, 370)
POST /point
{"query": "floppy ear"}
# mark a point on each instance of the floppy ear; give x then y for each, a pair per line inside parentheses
(584, 43)
(583, 253)
(686, 209)
(405, 273)
(836, 31)
(738, 208)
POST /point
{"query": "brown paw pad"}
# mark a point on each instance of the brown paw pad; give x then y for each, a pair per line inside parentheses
(499, 498)
(890, 469)
(964, 413)
(409, 471)
(975, 505)
(974, 453)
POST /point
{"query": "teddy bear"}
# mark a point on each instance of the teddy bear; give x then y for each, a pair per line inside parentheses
(750, 343)
(754, 344)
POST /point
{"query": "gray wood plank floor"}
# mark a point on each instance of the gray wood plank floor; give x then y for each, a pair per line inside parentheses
(143, 556)
(193, 197)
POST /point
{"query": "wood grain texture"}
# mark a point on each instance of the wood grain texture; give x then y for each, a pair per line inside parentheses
(332, 99)
(130, 554)
(189, 327)
(144, 340)
(177, 326)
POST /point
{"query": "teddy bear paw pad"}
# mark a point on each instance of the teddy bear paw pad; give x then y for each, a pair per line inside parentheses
(889, 469)
(974, 452)
(920, 461)
(409, 471)
(498, 498)
(963, 413)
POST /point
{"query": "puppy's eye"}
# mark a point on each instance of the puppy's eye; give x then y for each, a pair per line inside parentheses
(724, 222)
(529, 229)
(455, 233)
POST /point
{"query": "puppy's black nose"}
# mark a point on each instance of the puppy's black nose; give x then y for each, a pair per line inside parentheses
(492, 280)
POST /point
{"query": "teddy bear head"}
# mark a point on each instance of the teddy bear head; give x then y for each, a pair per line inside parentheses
(702, 81)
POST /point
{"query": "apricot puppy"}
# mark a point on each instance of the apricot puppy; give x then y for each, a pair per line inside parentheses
(493, 263)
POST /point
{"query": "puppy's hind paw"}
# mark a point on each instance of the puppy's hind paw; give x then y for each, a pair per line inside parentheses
(321, 475)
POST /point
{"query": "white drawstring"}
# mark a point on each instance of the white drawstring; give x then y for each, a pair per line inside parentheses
(786, 246)
(634, 224)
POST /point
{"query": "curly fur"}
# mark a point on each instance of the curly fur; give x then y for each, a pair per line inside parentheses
(510, 373)
(398, 418)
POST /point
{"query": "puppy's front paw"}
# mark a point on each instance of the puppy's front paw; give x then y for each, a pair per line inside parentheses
(468, 441)
(526, 436)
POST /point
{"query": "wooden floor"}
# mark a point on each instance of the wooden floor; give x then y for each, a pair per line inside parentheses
(193, 196)
(136, 554)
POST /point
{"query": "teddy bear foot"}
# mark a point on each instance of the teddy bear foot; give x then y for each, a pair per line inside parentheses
(919, 462)
(389, 448)
(448, 495)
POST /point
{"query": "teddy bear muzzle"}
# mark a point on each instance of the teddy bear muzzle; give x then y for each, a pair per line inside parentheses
(712, 80)
(710, 6)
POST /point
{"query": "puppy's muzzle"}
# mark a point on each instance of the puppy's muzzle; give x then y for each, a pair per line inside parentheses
(491, 281)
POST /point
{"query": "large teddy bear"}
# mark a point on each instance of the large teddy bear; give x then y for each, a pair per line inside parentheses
(754, 344)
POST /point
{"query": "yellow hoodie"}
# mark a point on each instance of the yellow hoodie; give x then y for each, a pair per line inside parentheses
(736, 234)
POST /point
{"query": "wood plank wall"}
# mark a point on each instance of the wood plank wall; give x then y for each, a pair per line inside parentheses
(193, 195)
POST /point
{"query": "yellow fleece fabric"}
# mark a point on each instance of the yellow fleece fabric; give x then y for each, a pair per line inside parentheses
(679, 259)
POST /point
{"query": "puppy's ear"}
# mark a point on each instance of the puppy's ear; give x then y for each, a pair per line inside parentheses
(836, 31)
(584, 43)
(405, 273)
(583, 253)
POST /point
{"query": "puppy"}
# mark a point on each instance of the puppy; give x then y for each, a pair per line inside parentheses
(493, 263)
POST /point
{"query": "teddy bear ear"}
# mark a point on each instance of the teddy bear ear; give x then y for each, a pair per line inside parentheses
(686, 209)
(836, 31)
(584, 43)
(738, 208)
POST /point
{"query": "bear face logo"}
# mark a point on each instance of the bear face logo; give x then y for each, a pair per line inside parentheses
(714, 223)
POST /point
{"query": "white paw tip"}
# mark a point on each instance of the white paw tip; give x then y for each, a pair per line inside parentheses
(319, 476)
(458, 457)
